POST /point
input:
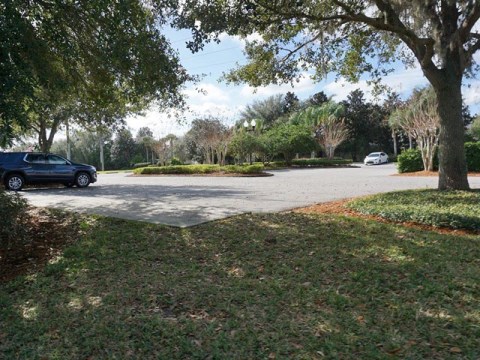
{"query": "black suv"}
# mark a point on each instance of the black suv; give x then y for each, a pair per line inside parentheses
(20, 168)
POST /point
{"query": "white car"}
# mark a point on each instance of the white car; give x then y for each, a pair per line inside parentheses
(376, 158)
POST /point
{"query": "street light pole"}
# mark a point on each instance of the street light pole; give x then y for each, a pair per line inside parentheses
(250, 126)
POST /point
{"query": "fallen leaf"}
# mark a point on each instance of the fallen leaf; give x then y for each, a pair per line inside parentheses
(455, 350)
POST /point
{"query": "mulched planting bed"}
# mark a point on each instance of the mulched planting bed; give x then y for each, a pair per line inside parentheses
(47, 233)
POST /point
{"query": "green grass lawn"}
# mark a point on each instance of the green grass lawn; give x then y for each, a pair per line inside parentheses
(449, 209)
(284, 286)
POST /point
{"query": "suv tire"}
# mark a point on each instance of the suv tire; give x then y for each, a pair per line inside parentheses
(14, 182)
(82, 179)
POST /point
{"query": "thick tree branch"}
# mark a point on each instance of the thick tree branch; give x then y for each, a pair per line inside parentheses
(470, 21)
(474, 48)
(299, 47)
(423, 48)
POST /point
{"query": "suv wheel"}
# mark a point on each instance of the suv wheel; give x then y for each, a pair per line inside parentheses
(14, 182)
(82, 180)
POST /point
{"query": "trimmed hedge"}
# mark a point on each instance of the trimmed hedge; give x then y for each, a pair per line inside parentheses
(200, 169)
(315, 162)
(451, 209)
(472, 151)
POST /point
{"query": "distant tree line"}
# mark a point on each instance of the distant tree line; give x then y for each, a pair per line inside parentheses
(285, 128)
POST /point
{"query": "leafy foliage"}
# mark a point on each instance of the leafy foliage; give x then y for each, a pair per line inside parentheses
(475, 128)
(367, 128)
(12, 219)
(409, 161)
(450, 209)
(288, 140)
(472, 151)
(97, 60)
(419, 119)
(268, 111)
(123, 149)
(351, 38)
(200, 169)
(244, 144)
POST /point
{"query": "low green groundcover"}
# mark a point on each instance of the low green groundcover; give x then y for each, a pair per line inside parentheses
(269, 286)
(200, 169)
(450, 209)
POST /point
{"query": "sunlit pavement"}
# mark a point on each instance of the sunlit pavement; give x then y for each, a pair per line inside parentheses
(190, 200)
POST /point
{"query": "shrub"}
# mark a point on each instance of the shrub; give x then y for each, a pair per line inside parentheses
(410, 161)
(176, 161)
(472, 151)
(12, 219)
(247, 169)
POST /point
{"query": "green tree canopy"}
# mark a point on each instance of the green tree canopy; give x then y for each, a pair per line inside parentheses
(268, 111)
(288, 140)
(93, 60)
(123, 149)
(475, 128)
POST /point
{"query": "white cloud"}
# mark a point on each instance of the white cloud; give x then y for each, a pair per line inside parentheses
(161, 123)
(225, 111)
(207, 92)
(471, 94)
(304, 85)
(403, 82)
(241, 40)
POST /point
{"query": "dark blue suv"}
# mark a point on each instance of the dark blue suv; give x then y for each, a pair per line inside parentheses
(20, 168)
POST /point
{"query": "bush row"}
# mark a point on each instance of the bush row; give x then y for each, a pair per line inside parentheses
(200, 169)
(315, 162)
(411, 160)
(320, 162)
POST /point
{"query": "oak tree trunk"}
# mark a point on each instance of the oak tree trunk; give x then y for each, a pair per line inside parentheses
(452, 163)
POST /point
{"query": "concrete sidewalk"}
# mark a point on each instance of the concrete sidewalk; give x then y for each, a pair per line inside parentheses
(189, 200)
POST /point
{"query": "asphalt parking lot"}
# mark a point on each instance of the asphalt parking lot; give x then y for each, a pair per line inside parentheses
(190, 200)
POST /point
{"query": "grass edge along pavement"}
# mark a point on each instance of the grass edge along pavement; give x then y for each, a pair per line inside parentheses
(251, 286)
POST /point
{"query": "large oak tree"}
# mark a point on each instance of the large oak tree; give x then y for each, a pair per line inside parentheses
(351, 37)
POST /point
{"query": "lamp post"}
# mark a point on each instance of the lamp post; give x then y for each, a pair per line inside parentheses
(250, 126)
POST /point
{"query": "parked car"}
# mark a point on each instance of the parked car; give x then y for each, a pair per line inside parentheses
(20, 168)
(376, 158)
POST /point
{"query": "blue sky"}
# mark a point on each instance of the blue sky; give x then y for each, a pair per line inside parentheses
(211, 97)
